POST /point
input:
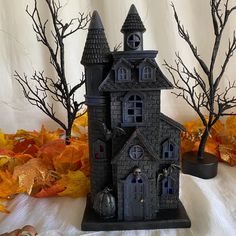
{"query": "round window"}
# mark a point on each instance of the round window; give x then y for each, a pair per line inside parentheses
(136, 152)
(133, 41)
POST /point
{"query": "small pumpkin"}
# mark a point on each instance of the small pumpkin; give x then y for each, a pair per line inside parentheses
(105, 204)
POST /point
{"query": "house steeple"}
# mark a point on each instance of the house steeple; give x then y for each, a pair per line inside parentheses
(96, 55)
(133, 30)
(96, 50)
(96, 60)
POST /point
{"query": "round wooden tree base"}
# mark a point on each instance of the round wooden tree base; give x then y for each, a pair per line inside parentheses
(205, 168)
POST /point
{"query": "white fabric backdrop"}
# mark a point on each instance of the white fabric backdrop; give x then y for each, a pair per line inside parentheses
(210, 204)
(20, 51)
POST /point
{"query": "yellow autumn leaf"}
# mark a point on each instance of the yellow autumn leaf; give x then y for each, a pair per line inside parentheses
(5, 142)
(3, 209)
(80, 127)
(231, 126)
(40, 138)
(8, 185)
(23, 134)
(76, 184)
(45, 136)
(4, 159)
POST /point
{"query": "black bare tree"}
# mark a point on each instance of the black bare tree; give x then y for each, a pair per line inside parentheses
(201, 89)
(56, 88)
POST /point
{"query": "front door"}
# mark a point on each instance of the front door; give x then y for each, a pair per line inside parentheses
(135, 197)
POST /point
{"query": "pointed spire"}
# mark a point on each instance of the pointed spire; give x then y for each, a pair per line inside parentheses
(133, 21)
(95, 22)
(96, 50)
(133, 10)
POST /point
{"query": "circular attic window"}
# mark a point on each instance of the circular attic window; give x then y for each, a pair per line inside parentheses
(136, 152)
(133, 41)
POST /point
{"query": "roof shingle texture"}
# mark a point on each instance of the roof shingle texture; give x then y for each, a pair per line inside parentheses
(96, 50)
(161, 82)
(133, 22)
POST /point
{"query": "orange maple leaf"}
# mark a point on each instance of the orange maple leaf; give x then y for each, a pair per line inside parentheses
(69, 159)
(51, 191)
(32, 173)
(25, 146)
(45, 136)
(51, 150)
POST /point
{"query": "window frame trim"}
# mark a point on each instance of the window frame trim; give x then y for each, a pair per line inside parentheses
(141, 66)
(127, 40)
(125, 110)
(175, 151)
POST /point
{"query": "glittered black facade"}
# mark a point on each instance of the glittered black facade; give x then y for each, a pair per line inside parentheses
(134, 148)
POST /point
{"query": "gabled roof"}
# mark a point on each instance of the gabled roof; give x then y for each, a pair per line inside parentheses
(133, 21)
(96, 50)
(161, 82)
(172, 122)
(148, 61)
(122, 61)
(143, 141)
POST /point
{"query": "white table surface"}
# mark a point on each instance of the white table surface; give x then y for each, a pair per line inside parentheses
(210, 204)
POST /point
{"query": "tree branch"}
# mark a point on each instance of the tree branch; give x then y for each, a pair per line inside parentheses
(184, 34)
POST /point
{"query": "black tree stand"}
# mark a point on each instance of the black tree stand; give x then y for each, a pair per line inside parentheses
(205, 168)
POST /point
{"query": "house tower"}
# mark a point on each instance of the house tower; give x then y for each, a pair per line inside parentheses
(96, 62)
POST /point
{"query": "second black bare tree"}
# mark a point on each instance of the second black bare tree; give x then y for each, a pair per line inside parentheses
(201, 89)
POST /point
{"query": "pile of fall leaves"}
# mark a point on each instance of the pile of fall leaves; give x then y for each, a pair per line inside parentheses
(221, 141)
(40, 164)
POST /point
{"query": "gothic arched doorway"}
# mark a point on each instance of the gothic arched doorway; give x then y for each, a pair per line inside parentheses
(136, 196)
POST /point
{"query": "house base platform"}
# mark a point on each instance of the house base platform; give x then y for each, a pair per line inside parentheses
(168, 218)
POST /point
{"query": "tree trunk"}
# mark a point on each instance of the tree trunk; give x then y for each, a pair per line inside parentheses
(68, 135)
(202, 144)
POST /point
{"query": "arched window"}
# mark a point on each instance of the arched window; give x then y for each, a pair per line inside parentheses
(133, 110)
(168, 150)
(147, 73)
(167, 186)
(99, 150)
(122, 74)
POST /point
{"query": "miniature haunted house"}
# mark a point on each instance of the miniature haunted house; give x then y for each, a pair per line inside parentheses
(134, 148)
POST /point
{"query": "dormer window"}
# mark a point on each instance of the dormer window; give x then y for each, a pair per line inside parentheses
(122, 70)
(147, 73)
(133, 41)
(122, 74)
(147, 70)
